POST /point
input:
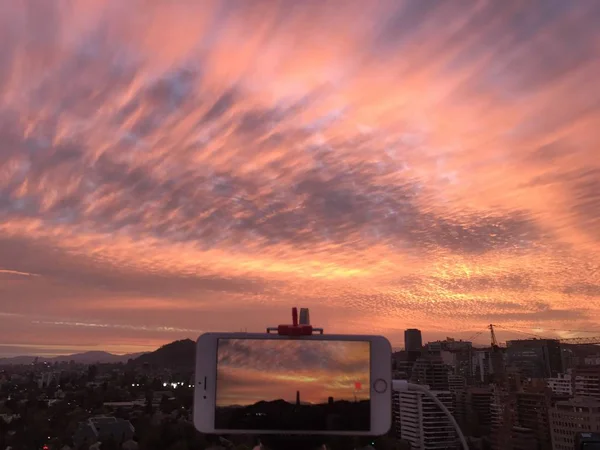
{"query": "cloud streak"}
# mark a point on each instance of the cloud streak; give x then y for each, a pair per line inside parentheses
(17, 273)
(249, 371)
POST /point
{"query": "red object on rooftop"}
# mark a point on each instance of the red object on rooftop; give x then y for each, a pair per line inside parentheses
(358, 386)
(294, 329)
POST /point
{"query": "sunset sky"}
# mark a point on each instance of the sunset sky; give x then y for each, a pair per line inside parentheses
(254, 370)
(171, 168)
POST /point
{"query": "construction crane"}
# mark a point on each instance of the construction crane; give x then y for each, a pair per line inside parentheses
(569, 341)
(581, 340)
(494, 340)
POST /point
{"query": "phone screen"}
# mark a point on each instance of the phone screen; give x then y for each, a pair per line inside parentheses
(288, 384)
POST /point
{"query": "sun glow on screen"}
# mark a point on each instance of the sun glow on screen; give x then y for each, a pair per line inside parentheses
(292, 385)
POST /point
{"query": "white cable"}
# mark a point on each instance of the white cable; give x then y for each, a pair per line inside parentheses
(403, 385)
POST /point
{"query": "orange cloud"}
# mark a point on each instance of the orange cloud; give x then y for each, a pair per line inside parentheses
(386, 165)
(267, 370)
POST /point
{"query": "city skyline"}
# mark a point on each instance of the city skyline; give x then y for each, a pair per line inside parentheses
(172, 169)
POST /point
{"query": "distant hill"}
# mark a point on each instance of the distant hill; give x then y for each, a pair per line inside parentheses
(178, 354)
(97, 357)
(91, 357)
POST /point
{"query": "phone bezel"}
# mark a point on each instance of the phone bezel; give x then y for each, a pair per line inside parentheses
(206, 370)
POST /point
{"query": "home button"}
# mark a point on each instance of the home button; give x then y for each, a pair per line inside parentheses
(380, 386)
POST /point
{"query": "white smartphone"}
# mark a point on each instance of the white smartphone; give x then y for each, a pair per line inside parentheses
(270, 384)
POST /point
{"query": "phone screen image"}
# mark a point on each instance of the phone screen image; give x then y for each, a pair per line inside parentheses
(286, 384)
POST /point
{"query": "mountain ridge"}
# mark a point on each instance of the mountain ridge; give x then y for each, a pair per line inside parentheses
(90, 357)
(180, 353)
(176, 354)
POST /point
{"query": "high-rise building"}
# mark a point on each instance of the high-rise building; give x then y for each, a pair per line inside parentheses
(536, 358)
(532, 410)
(473, 410)
(570, 359)
(460, 409)
(592, 360)
(396, 414)
(423, 424)
(502, 418)
(562, 384)
(522, 438)
(488, 364)
(479, 407)
(514, 380)
(413, 342)
(587, 381)
(456, 354)
(462, 364)
(456, 382)
(570, 417)
(402, 364)
(450, 345)
(432, 371)
(481, 364)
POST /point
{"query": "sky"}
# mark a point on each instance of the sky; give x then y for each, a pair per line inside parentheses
(171, 168)
(249, 371)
